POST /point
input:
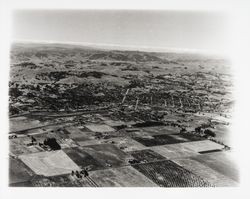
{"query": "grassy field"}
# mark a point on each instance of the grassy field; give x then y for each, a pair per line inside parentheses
(121, 177)
(82, 158)
(174, 151)
(220, 162)
(203, 145)
(49, 163)
(19, 172)
(161, 130)
(107, 155)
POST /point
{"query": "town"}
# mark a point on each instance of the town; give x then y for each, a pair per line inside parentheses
(88, 117)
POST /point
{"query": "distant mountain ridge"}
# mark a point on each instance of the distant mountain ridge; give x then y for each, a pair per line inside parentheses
(88, 52)
(93, 53)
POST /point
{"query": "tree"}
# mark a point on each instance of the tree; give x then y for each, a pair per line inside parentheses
(136, 83)
(13, 110)
(15, 92)
(183, 130)
(52, 143)
(209, 133)
(198, 129)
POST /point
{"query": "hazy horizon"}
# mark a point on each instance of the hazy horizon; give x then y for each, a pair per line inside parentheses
(160, 31)
(120, 47)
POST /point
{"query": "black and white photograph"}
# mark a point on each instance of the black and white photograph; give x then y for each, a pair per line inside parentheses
(121, 98)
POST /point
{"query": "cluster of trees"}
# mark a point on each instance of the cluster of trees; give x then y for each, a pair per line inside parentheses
(56, 97)
(58, 75)
(15, 92)
(136, 83)
(206, 132)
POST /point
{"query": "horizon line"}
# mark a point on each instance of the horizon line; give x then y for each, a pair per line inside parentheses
(110, 46)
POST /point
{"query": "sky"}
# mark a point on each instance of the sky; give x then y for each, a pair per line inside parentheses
(205, 31)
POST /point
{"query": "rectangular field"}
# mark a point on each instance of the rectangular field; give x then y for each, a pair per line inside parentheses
(146, 155)
(108, 155)
(61, 181)
(121, 177)
(99, 128)
(159, 130)
(156, 140)
(23, 123)
(19, 172)
(77, 134)
(203, 145)
(163, 139)
(126, 144)
(207, 173)
(220, 162)
(82, 158)
(174, 151)
(49, 163)
(169, 174)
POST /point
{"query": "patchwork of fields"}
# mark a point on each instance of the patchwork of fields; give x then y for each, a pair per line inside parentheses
(138, 159)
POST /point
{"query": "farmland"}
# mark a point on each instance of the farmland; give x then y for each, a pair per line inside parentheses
(90, 117)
